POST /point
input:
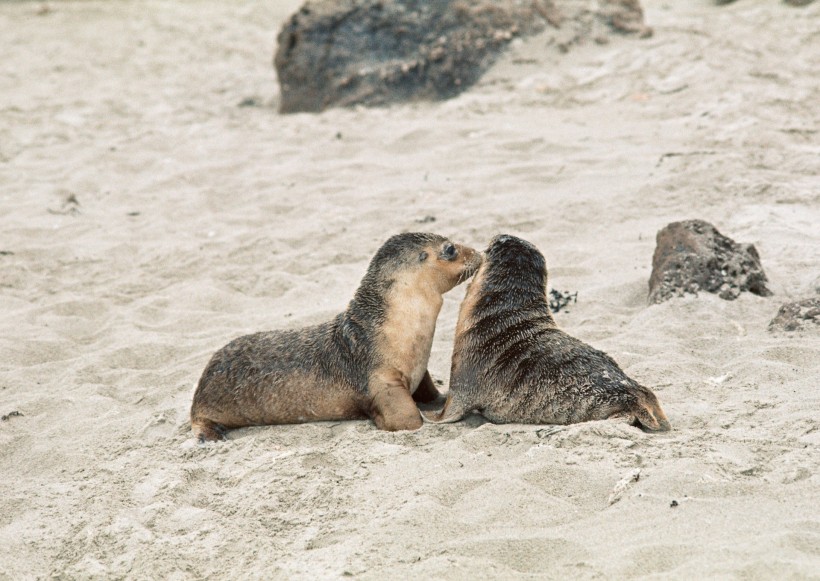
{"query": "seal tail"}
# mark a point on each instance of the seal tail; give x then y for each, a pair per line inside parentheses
(451, 412)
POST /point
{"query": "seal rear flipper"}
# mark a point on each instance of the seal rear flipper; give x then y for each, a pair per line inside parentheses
(207, 431)
(651, 418)
(451, 412)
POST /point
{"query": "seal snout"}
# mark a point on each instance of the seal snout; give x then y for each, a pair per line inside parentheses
(472, 260)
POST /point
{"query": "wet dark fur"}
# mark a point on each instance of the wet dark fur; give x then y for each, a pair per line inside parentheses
(322, 372)
(511, 363)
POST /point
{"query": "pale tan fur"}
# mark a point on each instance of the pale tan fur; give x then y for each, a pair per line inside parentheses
(414, 302)
(414, 305)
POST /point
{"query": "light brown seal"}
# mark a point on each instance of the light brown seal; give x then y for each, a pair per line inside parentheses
(511, 363)
(369, 361)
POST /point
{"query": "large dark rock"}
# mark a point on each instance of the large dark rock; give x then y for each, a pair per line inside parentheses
(376, 52)
(692, 256)
(798, 315)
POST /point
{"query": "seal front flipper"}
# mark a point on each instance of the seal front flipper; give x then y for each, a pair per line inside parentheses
(451, 412)
(426, 392)
(392, 406)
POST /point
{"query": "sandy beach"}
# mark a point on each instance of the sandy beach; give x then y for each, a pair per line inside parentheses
(154, 205)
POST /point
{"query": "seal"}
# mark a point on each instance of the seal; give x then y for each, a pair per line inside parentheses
(511, 363)
(369, 361)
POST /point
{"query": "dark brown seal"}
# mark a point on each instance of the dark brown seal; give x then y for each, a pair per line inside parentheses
(369, 361)
(511, 363)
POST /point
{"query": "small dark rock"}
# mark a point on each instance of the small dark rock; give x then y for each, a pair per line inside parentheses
(248, 102)
(692, 256)
(673, 504)
(546, 432)
(70, 206)
(13, 414)
(426, 220)
(625, 16)
(559, 300)
(797, 316)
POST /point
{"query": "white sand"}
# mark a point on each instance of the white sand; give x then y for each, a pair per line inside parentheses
(248, 220)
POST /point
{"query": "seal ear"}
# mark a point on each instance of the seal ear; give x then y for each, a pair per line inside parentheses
(422, 256)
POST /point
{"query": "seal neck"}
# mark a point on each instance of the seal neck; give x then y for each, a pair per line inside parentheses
(518, 300)
(368, 307)
(500, 291)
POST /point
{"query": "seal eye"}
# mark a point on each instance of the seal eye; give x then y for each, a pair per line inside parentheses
(449, 251)
(422, 256)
